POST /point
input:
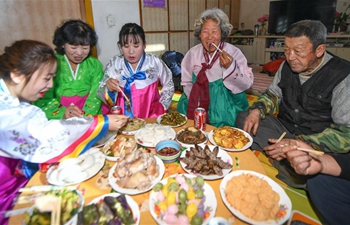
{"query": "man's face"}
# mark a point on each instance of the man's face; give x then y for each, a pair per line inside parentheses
(300, 55)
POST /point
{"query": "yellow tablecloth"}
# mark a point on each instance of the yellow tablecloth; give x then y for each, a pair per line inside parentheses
(98, 185)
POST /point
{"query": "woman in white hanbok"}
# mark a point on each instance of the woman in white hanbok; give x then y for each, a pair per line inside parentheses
(27, 138)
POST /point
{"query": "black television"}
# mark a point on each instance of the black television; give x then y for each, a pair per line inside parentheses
(286, 12)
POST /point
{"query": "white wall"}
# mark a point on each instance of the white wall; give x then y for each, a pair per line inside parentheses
(123, 11)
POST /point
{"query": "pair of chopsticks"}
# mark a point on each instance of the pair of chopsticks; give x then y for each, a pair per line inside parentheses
(220, 50)
(302, 149)
(56, 212)
(126, 97)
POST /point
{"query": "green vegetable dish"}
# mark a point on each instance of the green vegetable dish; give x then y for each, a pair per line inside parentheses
(71, 203)
(173, 119)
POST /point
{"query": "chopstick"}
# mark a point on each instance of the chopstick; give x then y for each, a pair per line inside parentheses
(126, 97)
(282, 136)
(44, 188)
(58, 211)
(220, 50)
(217, 47)
(311, 151)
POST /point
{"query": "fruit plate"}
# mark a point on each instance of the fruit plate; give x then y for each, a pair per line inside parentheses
(76, 170)
(284, 204)
(131, 202)
(211, 139)
(221, 154)
(159, 119)
(210, 203)
(112, 180)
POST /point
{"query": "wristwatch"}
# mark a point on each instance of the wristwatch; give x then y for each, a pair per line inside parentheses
(260, 106)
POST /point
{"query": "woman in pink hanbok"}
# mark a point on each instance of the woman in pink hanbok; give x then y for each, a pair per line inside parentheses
(136, 74)
(27, 137)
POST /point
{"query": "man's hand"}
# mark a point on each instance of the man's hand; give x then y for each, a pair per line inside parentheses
(251, 122)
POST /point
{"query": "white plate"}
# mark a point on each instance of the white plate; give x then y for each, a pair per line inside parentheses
(52, 174)
(210, 201)
(211, 139)
(109, 136)
(132, 204)
(149, 137)
(132, 132)
(284, 202)
(109, 144)
(112, 180)
(222, 154)
(159, 119)
(191, 145)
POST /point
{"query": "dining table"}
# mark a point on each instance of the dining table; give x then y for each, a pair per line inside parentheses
(98, 185)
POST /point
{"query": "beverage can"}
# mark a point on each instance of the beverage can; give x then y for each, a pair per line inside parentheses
(200, 117)
(116, 110)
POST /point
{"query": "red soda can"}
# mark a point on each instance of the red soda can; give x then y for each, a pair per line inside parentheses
(116, 110)
(200, 117)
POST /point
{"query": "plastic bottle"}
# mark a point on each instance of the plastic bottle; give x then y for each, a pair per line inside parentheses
(256, 29)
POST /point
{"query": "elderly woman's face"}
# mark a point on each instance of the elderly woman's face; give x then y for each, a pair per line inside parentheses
(210, 33)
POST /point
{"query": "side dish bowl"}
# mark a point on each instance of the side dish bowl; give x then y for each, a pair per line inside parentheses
(168, 151)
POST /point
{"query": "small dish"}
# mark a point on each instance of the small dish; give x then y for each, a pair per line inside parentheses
(190, 136)
(66, 197)
(222, 155)
(168, 157)
(173, 116)
(76, 170)
(211, 139)
(134, 191)
(134, 207)
(118, 147)
(151, 134)
(133, 125)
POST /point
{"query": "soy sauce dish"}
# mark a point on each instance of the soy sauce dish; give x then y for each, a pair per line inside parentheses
(168, 151)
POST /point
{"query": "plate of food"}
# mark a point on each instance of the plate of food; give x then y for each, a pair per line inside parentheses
(71, 202)
(267, 203)
(173, 119)
(190, 136)
(135, 173)
(128, 213)
(133, 125)
(210, 162)
(230, 138)
(76, 170)
(182, 199)
(118, 147)
(107, 138)
(151, 134)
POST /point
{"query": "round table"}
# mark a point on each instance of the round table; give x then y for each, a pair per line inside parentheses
(98, 185)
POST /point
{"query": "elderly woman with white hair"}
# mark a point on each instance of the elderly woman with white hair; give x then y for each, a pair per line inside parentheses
(214, 74)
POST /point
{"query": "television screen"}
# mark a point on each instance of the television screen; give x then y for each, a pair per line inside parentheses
(283, 13)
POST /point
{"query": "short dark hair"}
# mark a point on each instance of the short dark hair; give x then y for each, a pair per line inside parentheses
(74, 32)
(25, 57)
(314, 30)
(132, 29)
